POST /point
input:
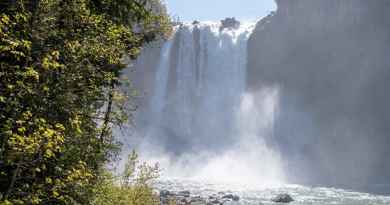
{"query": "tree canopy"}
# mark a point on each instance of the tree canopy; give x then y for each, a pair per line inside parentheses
(60, 62)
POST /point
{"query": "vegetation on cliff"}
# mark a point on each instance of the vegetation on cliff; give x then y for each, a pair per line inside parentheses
(60, 62)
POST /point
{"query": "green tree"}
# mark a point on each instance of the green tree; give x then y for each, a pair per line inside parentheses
(60, 62)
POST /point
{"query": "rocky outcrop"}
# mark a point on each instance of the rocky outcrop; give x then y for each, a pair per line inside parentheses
(282, 198)
(330, 60)
(229, 23)
(186, 198)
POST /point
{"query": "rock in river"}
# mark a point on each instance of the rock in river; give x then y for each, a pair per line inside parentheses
(283, 198)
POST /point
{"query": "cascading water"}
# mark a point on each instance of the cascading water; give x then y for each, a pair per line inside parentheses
(206, 130)
(201, 124)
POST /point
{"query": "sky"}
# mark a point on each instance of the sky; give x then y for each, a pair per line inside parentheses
(215, 10)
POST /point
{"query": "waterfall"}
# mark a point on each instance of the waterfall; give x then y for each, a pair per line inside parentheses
(200, 121)
(161, 80)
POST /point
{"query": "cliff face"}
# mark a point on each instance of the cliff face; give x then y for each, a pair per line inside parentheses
(330, 58)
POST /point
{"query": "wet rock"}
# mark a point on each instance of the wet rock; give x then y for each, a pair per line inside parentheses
(184, 193)
(195, 22)
(184, 201)
(165, 193)
(185, 198)
(231, 197)
(282, 198)
(197, 200)
(214, 202)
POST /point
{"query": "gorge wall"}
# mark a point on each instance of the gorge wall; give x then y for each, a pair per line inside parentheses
(330, 59)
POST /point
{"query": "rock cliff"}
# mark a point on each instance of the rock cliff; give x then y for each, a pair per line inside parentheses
(330, 59)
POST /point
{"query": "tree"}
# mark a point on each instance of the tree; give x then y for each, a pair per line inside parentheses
(60, 62)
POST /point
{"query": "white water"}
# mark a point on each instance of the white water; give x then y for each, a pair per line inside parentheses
(161, 80)
(201, 122)
(302, 195)
(208, 134)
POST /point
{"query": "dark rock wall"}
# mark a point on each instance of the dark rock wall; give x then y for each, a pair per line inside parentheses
(331, 59)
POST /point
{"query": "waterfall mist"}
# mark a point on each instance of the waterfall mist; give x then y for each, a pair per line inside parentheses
(300, 97)
(197, 119)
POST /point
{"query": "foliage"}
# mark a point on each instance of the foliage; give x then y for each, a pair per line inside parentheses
(60, 62)
(132, 187)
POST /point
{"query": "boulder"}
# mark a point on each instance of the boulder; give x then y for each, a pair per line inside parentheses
(184, 193)
(282, 198)
(231, 197)
(214, 202)
(165, 193)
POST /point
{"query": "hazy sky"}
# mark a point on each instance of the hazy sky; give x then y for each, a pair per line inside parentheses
(215, 10)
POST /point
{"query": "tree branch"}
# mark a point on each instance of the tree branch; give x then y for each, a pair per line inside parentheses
(107, 116)
(13, 180)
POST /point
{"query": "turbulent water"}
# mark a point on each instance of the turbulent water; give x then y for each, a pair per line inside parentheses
(201, 124)
(302, 195)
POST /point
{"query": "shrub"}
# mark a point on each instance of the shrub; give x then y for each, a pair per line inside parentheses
(131, 187)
